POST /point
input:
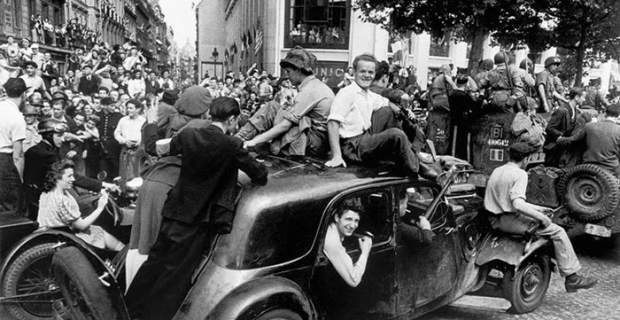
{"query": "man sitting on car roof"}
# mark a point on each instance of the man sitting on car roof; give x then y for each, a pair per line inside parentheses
(300, 129)
(357, 130)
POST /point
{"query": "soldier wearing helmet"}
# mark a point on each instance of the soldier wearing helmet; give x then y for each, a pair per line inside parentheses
(39, 160)
(545, 84)
(303, 126)
(507, 84)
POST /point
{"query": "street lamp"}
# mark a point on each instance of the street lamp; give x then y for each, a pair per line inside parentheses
(215, 55)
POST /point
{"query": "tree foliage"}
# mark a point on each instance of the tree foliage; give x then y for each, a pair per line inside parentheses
(586, 27)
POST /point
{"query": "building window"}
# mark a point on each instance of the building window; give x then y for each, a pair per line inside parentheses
(440, 47)
(52, 10)
(17, 13)
(317, 23)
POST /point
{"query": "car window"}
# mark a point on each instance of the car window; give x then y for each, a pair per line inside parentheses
(376, 219)
(419, 199)
(283, 233)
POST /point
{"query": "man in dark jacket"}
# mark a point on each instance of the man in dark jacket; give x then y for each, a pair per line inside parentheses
(88, 83)
(564, 122)
(602, 141)
(39, 160)
(199, 207)
(111, 148)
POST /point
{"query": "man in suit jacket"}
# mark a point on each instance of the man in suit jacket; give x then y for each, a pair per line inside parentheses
(564, 122)
(88, 83)
(152, 85)
(197, 209)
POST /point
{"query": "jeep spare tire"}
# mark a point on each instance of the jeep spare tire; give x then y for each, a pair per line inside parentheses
(590, 192)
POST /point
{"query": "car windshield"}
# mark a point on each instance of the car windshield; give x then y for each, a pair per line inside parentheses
(276, 235)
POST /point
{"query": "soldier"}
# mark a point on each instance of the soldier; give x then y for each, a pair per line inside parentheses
(595, 98)
(507, 84)
(545, 84)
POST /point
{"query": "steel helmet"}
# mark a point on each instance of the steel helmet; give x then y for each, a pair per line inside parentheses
(551, 61)
(51, 125)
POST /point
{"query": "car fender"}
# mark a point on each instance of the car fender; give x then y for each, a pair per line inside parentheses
(37, 237)
(508, 250)
(264, 294)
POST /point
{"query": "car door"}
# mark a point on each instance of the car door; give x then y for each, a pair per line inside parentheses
(425, 272)
(375, 294)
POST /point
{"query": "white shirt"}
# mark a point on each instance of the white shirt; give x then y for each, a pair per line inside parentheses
(340, 259)
(33, 83)
(12, 126)
(169, 82)
(353, 108)
(129, 129)
(136, 86)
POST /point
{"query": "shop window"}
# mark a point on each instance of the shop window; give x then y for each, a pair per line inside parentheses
(317, 23)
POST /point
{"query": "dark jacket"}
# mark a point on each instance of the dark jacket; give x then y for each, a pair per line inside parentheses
(89, 87)
(109, 122)
(38, 162)
(206, 189)
(150, 87)
(563, 123)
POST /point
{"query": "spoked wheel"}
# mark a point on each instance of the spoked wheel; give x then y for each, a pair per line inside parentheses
(29, 287)
(526, 288)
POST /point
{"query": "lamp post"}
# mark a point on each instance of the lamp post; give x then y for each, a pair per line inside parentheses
(214, 56)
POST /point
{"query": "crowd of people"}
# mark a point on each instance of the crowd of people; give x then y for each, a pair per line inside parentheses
(63, 127)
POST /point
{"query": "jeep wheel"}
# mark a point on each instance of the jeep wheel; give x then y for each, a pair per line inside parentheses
(526, 289)
(590, 192)
(30, 280)
(85, 295)
(279, 314)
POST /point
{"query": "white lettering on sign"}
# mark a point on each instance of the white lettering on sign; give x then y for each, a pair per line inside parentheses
(498, 143)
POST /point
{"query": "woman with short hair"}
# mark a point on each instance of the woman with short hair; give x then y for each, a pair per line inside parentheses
(57, 208)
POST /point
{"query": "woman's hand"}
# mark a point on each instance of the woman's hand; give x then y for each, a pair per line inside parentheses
(103, 201)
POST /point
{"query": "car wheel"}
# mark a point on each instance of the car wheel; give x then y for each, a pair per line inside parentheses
(85, 295)
(30, 273)
(526, 289)
(591, 192)
(280, 314)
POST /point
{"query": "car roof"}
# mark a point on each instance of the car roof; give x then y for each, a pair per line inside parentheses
(292, 180)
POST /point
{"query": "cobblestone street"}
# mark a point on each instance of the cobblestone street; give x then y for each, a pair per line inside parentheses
(600, 258)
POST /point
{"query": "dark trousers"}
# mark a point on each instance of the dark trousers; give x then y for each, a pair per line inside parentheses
(163, 281)
(110, 165)
(10, 183)
(385, 141)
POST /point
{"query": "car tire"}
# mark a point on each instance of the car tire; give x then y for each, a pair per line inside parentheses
(85, 295)
(526, 289)
(590, 192)
(280, 314)
(29, 272)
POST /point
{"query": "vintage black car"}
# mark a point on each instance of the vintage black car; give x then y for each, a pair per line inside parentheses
(272, 265)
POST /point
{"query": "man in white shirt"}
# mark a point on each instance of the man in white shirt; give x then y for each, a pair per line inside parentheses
(355, 113)
(165, 82)
(37, 57)
(32, 81)
(12, 135)
(345, 223)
